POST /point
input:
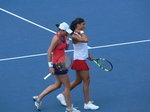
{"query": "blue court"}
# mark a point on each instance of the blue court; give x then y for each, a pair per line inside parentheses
(118, 30)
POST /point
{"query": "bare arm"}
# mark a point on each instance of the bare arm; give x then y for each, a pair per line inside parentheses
(53, 44)
(79, 37)
(89, 56)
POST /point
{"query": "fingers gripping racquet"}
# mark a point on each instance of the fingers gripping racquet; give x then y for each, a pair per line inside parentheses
(103, 64)
(63, 63)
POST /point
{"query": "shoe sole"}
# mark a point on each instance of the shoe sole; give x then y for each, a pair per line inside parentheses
(91, 109)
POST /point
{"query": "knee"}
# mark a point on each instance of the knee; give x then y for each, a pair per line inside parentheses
(57, 86)
(78, 82)
(87, 81)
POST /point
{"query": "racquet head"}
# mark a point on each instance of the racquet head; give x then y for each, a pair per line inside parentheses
(103, 64)
(63, 62)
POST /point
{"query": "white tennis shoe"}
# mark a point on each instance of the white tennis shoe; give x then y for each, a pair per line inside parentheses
(72, 109)
(90, 106)
(37, 102)
(61, 98)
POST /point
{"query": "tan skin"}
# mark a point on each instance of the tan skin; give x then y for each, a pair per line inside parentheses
(59, 79)
(81, 75)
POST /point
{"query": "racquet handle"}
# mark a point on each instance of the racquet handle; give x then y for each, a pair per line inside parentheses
(47, 76)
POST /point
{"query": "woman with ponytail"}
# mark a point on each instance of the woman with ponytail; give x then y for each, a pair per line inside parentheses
(80, 40)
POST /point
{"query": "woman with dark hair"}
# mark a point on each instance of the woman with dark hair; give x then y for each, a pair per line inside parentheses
(56, 49)
(81, 53)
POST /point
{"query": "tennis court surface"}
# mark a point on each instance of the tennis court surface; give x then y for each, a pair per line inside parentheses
(118, 30)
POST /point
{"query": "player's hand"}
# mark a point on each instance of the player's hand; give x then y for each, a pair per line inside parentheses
(90, 58)
(52, 70)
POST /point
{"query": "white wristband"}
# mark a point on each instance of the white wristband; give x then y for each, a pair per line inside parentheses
(68, 42)
(81, 32)
(50, 64)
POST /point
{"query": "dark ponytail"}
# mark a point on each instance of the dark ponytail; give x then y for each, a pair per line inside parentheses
(57, 25)
(74, 23)
(73, 26)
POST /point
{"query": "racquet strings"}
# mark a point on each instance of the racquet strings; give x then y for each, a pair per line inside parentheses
(104, 64)
(64, 62)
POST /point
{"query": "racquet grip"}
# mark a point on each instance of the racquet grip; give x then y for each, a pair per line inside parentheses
(47, 76)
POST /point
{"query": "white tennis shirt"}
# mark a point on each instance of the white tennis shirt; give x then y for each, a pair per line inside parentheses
(80, 50)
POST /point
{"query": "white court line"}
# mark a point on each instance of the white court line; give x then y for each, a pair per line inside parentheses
(112, 45)
(28, 56)
(55, 32)
(27, 20)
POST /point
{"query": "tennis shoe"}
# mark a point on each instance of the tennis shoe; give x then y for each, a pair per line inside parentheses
(72, 109)
(61, 98)
(37, 102)
(90, 106)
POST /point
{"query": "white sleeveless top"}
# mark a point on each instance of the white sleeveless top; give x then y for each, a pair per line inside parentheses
(80, 50)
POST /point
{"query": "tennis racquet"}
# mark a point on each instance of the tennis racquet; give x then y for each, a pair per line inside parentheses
(63, 63)
(103, 64)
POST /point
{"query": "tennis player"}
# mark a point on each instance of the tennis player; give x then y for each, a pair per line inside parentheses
(80, 66)
(59, 43)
